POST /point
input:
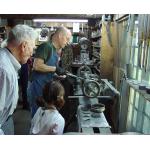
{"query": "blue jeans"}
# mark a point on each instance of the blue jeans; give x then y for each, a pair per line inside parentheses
(32, 102)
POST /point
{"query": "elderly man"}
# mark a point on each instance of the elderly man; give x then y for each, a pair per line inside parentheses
(20, 44)
(46, 64)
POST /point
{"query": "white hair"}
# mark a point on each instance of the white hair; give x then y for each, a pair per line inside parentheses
(22, 33)
(3, 44)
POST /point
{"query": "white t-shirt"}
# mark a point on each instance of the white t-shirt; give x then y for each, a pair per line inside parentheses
(46, 122)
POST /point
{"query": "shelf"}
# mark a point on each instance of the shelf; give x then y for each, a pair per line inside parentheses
(96, 46)
(135, 85)
(96, 37)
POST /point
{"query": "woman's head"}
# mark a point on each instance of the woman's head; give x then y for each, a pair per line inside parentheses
(53, 94)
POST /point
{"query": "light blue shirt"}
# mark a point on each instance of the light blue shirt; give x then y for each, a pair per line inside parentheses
(9, 67)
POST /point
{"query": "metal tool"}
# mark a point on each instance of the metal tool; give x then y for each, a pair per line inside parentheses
(89, 82)
(144, 39)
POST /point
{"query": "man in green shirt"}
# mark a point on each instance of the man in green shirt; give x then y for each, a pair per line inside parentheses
(46, 64)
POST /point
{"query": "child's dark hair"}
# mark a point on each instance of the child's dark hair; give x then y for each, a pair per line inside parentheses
(52, 93)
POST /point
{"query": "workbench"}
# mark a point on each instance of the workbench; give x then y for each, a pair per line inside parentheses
(86, 123)
(90, 125)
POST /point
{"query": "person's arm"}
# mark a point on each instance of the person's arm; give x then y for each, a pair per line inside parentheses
(5, 86)
(1, 131)
(58, 127)
(43, 53)
(39, 65)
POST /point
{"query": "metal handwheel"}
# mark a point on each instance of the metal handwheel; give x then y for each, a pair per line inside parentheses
(91, 88)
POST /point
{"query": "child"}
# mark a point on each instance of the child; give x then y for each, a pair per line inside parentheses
(47, 119)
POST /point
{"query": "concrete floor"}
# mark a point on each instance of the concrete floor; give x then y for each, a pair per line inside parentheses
(22, 119)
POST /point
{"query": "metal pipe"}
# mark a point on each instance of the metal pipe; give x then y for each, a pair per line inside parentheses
(123, 18)
(111, 87)
(80, 96)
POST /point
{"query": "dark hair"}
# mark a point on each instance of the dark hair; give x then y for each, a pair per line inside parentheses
(52, 92)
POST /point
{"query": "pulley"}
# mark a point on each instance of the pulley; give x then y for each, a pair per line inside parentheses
(83, 70)
(91, 88)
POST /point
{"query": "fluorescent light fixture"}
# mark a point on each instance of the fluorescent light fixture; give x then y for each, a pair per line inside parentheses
(60, 20)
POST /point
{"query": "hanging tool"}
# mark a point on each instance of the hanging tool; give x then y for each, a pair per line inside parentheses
(107, 25)
(130, 30)
(131, 24)
(140, 39)
(145, 40)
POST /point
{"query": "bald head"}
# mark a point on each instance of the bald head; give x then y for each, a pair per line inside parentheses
(62, 30)
(61, 37)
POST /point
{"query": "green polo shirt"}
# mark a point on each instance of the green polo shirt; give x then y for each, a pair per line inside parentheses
(44, 51)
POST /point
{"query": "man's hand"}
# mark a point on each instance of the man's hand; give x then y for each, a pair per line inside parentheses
(60, 71)
(62, 76)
